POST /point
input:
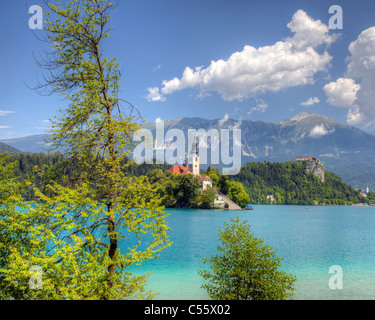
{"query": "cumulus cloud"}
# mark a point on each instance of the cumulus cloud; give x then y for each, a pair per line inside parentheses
(154, 95)
(310, 101)
(288, 63)
(342, 92)
(356, 91)
(319, 131)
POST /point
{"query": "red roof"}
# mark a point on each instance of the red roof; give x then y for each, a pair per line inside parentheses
(306, 159)
(204, 177)
(179, 169)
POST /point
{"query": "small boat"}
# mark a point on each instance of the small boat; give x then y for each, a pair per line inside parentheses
(249, 207)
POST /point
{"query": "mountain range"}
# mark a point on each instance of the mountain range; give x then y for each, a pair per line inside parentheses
(342, 149)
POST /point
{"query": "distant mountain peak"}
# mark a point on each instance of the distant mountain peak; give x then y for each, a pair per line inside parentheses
(302, 115)
(315, 116)
(308, 120)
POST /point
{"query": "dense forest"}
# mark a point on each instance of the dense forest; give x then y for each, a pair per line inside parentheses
(176, 191)
(287, 182)
(30, 165)
(28, 161)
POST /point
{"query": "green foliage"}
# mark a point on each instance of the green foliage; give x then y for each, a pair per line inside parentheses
(214, 174)
(30, 165)
(14, 223)
(184, 190)
(85, 202)
(188, 191)
(289, 183)
(238, 194)
(174, 190)
(371, 197)
(70, 243)
(245, 268)
(223, 184)
(208, 198)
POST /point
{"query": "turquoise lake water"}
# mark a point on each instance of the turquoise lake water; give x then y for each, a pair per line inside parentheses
(310, 239)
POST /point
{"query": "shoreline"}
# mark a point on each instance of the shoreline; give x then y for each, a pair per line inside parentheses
(284, 204)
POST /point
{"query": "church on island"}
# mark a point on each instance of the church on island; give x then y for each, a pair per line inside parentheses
(193, 168)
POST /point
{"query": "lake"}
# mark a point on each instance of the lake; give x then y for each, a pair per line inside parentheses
(310, 239)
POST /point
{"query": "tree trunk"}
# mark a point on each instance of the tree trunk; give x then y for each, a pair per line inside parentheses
(112, 245)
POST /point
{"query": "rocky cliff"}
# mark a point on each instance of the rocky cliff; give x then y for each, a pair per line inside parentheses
(316, 168)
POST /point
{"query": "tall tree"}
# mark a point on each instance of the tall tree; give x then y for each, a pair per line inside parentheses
(98, 206)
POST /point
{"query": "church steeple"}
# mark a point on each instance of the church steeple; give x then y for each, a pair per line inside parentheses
(194, 158)
(194, 148)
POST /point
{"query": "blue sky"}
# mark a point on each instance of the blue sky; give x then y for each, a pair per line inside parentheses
(253, 60)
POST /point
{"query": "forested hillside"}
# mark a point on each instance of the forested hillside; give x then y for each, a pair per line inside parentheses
(8, 149)
(289, 183)
(27, 162)
(30, 164)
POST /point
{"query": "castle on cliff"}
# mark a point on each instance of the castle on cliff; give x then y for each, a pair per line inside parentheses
(314, 166)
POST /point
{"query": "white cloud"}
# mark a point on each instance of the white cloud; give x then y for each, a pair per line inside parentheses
(308, 32)
(342, 92)
(362, 59)
(310, 101)
(154, 95)
(261, 107)
(358, 87)
(288, 63)
(4, 113)
(319, 131)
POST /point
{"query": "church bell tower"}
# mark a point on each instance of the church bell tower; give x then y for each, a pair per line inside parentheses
(194, 159)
